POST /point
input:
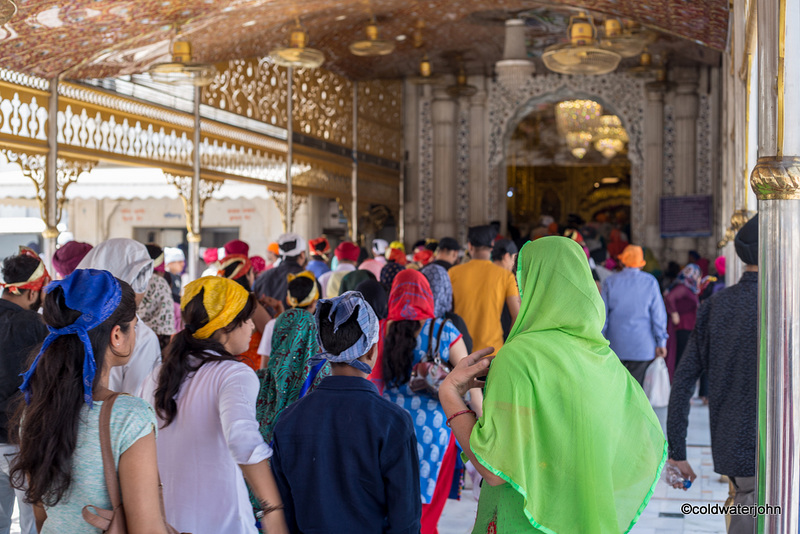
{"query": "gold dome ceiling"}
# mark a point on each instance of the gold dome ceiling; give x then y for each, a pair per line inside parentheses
(102, 38)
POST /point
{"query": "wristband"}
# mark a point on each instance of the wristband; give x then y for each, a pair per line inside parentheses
(462, 412)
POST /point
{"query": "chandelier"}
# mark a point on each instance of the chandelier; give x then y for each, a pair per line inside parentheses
(579, 143)
(609, 137)
(577, 115)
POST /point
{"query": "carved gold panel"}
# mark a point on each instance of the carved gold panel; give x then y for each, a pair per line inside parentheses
(380, 118)
(323, 106)
(254, 88)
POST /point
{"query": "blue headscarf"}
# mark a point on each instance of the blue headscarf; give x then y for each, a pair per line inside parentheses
(342, 308)
(96, 294)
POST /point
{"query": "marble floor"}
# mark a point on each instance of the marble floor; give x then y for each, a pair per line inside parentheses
(663, 514)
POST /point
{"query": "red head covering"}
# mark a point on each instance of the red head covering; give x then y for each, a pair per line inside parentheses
(36, 281)
(396, 255)
(210, 255)
(69, 255)
(411, 298)
(319, 246)
(237, 247)
(423, 257)
(347, 251)
(616, 244)
(242, 269)
(719, 264)
(259, 264)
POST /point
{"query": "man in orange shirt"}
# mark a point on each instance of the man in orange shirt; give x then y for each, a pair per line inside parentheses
(481, 289)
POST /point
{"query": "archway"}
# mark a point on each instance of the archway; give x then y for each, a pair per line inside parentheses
(619, 93)
(567, 160)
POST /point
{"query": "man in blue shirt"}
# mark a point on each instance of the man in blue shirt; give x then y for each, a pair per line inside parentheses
(345, 459)
(636, 319)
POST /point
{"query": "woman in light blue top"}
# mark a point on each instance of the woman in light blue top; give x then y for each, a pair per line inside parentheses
(91, 317)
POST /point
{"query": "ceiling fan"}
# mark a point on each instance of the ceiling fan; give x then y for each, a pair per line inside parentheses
(582, 54)
(181, 70)
(297, 54)
(373, 45)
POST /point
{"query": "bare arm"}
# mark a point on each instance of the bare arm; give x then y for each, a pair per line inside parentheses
(513, 304)
(457, 353)
(40, 514)
(138, 481)
(461, 379)
(262, 482)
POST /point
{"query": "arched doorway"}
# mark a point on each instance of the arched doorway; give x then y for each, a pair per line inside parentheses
(567, 161)
(508, 106)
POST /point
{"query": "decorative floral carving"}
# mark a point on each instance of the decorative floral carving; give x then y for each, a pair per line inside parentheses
(425, 204)
(380, 118)
(621, 93)
(669, 150)
(253, 88)
(462, 170)
(184, 186)
(703, 166)
(279, 197)
(323, 106)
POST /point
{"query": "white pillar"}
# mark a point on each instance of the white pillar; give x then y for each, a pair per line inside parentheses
(193, 261)
(478, 179)
(50, 232)
(776, 181)
(444, 175)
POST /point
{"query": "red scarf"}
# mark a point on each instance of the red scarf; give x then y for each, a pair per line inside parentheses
(411, 298)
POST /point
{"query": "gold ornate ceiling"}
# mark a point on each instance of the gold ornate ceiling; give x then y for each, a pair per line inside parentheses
(102, 38)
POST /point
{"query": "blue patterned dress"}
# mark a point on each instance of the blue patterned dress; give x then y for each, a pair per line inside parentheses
(429, 418)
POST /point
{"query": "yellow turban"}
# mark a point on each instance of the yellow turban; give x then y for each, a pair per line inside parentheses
(310, 298)
(223, 300)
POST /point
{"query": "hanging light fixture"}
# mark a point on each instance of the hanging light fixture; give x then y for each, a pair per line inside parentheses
(579, 143)
(575, 121)
(628, 41)
(610, 137)
(181, 70)
(7, 10)
(426, 75)
(373, 45)
(461, 88)
(582, 54)
(645, 68)
(297, 54)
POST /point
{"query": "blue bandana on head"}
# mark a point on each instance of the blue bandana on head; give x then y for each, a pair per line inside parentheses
(342, 308)
(96, 294)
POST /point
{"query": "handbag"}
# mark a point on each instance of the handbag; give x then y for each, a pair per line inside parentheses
(428, 374)
(656, 383)
(113, 521)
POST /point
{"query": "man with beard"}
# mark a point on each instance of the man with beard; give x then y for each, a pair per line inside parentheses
(21, 331)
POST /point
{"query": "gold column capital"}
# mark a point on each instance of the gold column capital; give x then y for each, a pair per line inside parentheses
(776, 178)
(50, 233)
(193, 238)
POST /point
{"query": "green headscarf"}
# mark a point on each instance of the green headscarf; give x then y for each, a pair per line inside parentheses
(564, 423)
(294, 343)
(352, 279)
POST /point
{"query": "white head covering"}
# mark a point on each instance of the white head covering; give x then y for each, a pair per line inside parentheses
(126, 259)
(291, 245)
(379, 246)
(173, 254)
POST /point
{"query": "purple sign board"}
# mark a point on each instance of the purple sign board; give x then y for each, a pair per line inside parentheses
(691, 216)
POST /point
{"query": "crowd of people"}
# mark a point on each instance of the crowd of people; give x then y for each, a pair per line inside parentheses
(352, 389)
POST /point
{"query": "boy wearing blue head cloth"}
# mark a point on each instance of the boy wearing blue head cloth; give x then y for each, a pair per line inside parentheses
(345, 459)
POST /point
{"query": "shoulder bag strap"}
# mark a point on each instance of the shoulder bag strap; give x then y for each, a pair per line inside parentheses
(109, 469)
(439, 340)
(430, 355)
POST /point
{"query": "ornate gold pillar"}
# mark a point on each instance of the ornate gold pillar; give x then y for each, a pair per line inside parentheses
(50, 185)
(776, 182)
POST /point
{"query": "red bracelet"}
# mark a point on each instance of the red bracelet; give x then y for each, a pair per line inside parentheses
(462, 412)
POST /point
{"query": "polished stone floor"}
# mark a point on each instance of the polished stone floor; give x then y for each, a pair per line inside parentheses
(663, 513)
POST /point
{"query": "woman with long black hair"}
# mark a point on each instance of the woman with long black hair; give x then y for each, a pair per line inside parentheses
(205, 399)
(91, 317)
(413, 329)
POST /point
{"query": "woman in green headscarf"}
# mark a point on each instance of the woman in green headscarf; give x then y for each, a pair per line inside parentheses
(289, 374)
(568, 442)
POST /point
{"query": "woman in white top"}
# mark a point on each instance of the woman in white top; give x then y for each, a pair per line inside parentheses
(91, 317)
(209, 441)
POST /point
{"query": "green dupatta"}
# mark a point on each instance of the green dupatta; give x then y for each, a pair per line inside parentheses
(564, 423)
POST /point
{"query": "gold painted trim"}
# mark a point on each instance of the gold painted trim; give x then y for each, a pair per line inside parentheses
(777, 178)
(781, 71)
(747, 131)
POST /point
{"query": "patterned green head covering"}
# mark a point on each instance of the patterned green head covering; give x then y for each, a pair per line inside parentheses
(564, 422)
(294, 343)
